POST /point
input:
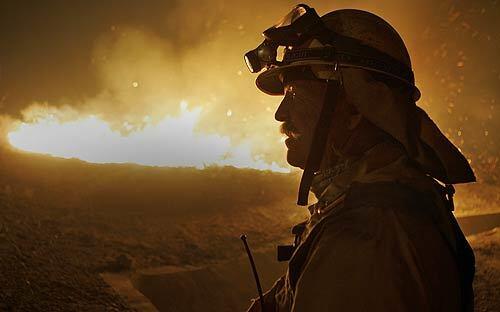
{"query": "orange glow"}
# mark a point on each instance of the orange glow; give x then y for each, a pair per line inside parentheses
(171, 142)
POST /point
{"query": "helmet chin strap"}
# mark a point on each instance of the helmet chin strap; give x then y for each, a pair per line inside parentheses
(317, 149)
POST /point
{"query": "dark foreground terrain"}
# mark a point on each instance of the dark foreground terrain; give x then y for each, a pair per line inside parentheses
(64, 222)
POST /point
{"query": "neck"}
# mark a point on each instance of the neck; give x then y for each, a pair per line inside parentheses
(353, 145)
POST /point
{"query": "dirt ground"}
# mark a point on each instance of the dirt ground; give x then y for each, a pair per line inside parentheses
(52, 254)
(487, 282)
(43, 269)
(48, 266)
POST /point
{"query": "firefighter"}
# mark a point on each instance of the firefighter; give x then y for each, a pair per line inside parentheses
(382, 235)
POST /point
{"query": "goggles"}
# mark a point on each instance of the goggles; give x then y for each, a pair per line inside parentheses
(292, 30)
(303, 24)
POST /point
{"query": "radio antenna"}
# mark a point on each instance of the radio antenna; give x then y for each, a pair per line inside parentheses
(254, 270)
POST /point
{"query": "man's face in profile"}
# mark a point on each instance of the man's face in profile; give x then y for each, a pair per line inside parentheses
(299, 111)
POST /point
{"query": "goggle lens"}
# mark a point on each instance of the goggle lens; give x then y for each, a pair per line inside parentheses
(253, 62)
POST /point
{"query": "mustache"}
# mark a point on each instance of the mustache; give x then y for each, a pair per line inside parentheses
(288, 128)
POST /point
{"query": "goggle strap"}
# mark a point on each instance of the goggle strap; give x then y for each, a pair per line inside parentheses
(333, 55)
(318, 145)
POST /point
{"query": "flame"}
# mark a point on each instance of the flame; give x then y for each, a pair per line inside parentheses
(171, 142)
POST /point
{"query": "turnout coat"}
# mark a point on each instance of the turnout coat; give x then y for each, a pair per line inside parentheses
(382, 239)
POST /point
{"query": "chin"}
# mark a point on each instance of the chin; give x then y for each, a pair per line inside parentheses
(295, 159)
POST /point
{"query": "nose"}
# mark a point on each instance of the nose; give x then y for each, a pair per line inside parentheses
(282, 113)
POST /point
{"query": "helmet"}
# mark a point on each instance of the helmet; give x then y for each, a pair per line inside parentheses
(359, 39)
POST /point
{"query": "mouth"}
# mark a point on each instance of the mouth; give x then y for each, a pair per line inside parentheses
(292, 141)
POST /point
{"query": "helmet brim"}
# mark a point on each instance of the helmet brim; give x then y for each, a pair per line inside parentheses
(270, 80)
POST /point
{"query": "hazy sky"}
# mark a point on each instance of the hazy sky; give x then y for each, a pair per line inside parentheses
(87, 56)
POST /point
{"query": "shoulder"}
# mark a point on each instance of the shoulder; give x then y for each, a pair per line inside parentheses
(386, 194)
(387, 200)
(377, 211)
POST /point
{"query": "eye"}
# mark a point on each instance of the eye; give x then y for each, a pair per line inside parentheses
(289, 90)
